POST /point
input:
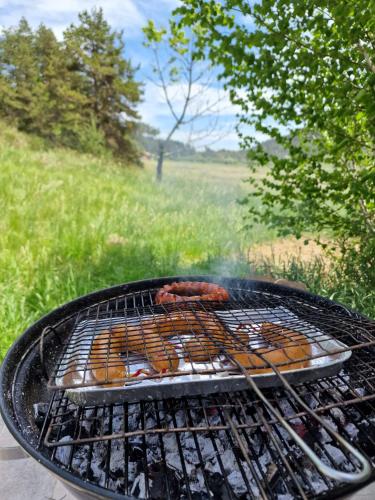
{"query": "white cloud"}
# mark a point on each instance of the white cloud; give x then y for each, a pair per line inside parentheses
(203, 96)
(155, 105)
(223, 139)
(154, 110)
(119, 13)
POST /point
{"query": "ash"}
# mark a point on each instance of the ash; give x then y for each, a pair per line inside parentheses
(208, 463)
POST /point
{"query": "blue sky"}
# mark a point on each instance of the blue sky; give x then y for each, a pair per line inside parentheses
(130, 16)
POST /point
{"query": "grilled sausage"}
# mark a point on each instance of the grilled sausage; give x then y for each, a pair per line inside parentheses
(105, 361)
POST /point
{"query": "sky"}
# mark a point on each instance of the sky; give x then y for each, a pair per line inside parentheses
(130, 16)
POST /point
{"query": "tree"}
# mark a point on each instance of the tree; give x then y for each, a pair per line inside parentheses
(39, 92)
(178, 73)
(80, 92)
(19, 74)
(303, 72)
(107, 81)
(56, 112)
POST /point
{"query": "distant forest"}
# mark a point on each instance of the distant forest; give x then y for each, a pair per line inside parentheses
(177, 150)
(180, 151)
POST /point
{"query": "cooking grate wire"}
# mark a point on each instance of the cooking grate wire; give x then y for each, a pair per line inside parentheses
(79, 357)
(239, 407)
(356, 332)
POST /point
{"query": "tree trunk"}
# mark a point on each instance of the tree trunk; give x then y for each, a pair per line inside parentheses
(159, 166)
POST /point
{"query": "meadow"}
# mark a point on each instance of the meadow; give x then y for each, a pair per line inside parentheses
(71, 224)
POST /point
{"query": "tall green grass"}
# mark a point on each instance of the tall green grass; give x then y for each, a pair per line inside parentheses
(323, 278)
(70, 224)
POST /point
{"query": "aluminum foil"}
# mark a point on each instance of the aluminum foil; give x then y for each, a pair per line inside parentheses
(331, 355)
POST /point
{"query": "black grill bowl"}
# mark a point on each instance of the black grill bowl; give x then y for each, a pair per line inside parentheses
(23, 382)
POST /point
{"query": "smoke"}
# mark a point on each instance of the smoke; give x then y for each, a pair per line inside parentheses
(219, 270)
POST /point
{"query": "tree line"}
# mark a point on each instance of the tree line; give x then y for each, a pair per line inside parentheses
(79, 92)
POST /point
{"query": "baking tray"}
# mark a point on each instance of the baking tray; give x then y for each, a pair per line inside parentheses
(328, 354)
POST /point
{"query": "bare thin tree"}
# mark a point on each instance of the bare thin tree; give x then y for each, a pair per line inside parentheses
(187, 85)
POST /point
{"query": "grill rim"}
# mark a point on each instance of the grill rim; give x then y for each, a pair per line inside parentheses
(21, 348)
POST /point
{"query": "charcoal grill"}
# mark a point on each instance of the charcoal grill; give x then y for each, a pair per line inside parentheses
(239, 444)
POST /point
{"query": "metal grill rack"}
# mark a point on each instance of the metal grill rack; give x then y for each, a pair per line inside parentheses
(225, 446)
(243, 444)
(131, 312)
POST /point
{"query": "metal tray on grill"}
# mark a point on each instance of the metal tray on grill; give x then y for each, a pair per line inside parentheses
(328, 356)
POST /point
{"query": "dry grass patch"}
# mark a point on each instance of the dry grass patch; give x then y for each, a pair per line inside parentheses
(283, 250)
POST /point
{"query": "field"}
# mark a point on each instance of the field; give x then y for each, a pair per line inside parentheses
(71, 224)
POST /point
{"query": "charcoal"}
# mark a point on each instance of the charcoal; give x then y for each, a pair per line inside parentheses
(365, 408)
(217, 485)
(199, 496)
(40, 411)
(161, 476)
(136, 454)
(366, 438)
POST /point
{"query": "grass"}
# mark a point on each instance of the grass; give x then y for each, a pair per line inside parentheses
(70, 224)
(322, 278)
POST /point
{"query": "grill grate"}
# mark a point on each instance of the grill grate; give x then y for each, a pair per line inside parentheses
(227, 445)
(179, 447)
(92, 337)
